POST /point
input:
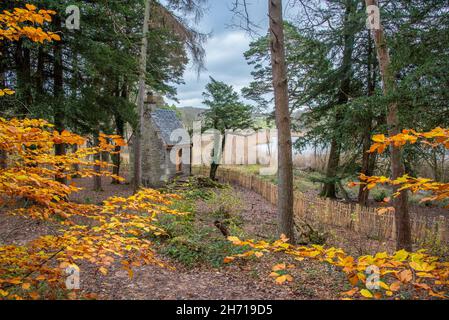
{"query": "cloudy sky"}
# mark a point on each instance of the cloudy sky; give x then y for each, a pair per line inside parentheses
(224, 51)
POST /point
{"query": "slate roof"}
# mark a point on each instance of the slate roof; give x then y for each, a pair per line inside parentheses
(166, 122)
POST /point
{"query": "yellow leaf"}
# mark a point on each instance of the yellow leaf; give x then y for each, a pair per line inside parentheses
(103, 270)
(366, 293)
(6, 91)
(281, 279)
(380, 138)
(371, 186)
(421, 266)
(384, 286)
(234, 240)
(381, 255)
(56, 37)
(3, 293)
(400, 255)
(361, 276)
(425, 275)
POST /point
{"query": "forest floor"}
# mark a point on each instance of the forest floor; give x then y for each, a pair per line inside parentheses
(196, 250)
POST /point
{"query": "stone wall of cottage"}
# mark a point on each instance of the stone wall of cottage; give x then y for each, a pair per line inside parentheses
(157, 165)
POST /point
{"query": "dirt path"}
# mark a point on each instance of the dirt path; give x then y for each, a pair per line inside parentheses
(240, 280)
(230, 282)
(245, 280)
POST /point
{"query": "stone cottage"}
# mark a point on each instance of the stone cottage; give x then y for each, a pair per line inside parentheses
(166, 147)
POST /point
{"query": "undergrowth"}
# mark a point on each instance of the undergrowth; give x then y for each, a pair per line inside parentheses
(192, 239)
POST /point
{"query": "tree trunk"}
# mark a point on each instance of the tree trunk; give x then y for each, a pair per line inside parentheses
(216, 160)
(76, 167)
(3, 159)
(3, 65)
(40, 76)
(116, 160)
(97, 168)
(23, 65)
(368, 166)
(58, 92)
(141, 99)
(283, 121)
(329, 189)
(368, 159)
(213, 171)
(402, 217)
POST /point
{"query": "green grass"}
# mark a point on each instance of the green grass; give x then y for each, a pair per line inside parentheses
(192, 239)
(192, 243)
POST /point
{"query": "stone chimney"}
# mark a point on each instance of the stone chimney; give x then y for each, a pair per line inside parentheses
(150, 103)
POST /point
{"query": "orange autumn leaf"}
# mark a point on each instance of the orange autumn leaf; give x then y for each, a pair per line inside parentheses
(395, 286)
(279, 267)
(405, 276)
(117, 229)
(34, 295)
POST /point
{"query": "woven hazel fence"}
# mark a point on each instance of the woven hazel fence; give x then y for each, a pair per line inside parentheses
(329, 213)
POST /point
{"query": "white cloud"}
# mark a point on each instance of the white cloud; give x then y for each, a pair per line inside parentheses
(226, 48)
(224, 62)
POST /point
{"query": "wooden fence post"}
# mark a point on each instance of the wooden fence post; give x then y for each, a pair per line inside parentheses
(441, 228)
(361, 220)
(327, 211)
(357, 216)
(393, 228)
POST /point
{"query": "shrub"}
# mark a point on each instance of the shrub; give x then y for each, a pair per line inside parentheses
(380, 194)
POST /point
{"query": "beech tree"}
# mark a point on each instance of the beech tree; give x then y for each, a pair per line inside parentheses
(283, 121)
(400, 203)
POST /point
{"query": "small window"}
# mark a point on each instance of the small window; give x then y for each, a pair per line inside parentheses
(179, 161)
